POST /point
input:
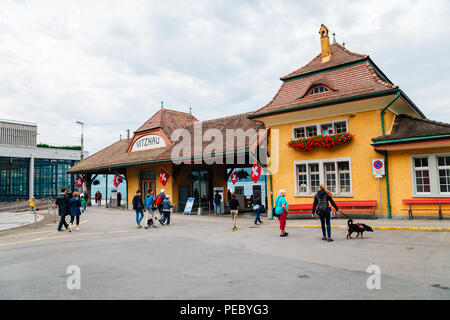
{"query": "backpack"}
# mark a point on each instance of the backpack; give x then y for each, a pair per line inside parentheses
(323, 205)
(158, 200)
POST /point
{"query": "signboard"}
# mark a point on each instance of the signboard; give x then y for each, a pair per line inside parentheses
(189, 205)
(150, 141)
(378, 168)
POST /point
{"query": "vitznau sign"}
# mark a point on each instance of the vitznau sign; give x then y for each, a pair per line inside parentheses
(150, 141)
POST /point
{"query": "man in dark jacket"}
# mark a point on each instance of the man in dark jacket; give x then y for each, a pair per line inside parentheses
(138, 207)
(217, 203)
(62, 201)
(321, 206)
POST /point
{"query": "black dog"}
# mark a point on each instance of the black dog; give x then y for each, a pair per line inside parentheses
(358, 228)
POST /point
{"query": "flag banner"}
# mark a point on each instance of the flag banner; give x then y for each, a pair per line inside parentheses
(117, 180)
(256, 172)
(79, 182)
(233, 177)
(163, 177)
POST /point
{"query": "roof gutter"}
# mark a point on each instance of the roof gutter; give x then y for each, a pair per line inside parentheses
(412, 139)
(324, 103)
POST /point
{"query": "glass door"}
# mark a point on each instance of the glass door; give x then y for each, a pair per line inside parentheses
(148, 185)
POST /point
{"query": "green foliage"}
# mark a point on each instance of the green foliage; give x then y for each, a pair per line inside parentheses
(43, 145)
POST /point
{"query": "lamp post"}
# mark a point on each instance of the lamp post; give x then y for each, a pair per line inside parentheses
(82, 139)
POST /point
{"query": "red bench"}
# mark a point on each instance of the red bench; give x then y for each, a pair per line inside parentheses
(346, 206)
(438, 201)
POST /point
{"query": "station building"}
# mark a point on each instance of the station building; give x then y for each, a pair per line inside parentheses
(327, 124)
(205, 162)
(28, 171)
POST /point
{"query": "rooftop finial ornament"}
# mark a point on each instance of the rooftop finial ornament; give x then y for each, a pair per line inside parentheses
(325, 44)
(162, 105)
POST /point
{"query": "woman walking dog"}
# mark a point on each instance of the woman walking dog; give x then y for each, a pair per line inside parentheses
(321, 202)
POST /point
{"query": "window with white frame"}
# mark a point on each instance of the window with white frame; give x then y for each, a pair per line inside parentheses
(444, 173)
(335, 174)
(431, 175)
(324, 128)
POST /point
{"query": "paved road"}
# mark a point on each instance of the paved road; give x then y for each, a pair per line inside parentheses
(201, 258)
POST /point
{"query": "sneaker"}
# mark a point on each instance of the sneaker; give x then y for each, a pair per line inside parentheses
(256, 223)
(284, 235)
(260, 222)
(70, 229)
(139, 226)
(78, 229)
(324, 238)
(234, 228)
(330, 240)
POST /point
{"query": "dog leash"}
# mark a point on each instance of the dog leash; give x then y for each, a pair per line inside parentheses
(344, 214)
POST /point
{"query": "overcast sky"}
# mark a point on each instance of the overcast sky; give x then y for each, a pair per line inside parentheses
(110, 63)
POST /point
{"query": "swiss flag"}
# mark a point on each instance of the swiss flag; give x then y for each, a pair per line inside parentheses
(117, 180)
(163, 177)
(256, 172)
(79, 182)
(233, 177)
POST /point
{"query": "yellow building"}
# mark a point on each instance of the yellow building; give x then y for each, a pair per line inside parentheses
(336, 118)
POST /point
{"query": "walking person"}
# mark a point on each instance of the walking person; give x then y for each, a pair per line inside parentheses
(321, 202)
(119, 198)
(83, 203)
(158, 202)
(62, 201)
(86, 199)
(166, 208)
(99, 198)
(75, 212)
(138, 207)
(217, 203)
(96, 197)
(281, 211)
(234, 205)
(257, 206)
(151, 210)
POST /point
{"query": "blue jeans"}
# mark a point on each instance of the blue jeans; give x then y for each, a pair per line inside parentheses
(325, 218)
(258, 212)
(139, 215)
(217, 207)
(166, 216)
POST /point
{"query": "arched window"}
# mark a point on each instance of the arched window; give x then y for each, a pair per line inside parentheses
(318, 89)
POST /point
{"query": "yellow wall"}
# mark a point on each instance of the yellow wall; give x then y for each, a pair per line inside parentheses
(133, 179)
(401, 183)
(365, 126)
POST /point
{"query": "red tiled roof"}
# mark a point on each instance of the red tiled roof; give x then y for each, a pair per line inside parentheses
(406, 126)
(117, 155)
(339, 55)
(168, 120)
(352, 80)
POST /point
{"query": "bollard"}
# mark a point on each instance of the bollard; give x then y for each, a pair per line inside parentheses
(35, 218)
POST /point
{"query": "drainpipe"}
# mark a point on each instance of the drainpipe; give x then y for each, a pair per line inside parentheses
(388, 196)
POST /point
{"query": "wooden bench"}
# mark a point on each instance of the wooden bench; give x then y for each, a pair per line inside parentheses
(346, 206)
(437, 201)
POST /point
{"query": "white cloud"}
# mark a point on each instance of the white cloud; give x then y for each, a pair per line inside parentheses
(110, 63)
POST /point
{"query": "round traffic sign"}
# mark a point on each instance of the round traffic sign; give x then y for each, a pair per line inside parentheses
(378, 164)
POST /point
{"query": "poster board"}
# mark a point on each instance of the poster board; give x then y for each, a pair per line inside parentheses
(189, 205)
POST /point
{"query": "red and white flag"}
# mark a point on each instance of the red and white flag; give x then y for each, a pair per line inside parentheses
(79, 181)
(256, 172)
(163, 177)
(233, 177)
(117, 180)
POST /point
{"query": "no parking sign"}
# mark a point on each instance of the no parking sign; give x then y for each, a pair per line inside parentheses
(378, 168)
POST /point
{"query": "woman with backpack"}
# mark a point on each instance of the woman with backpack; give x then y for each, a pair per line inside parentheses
(281, 211)
(75, 212)
(321, 201)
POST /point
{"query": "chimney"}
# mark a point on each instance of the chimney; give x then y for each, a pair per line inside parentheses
(128, 134)
(325, 44)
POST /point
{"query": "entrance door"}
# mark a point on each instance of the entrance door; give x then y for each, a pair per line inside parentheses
(183, 196)
(148, 185)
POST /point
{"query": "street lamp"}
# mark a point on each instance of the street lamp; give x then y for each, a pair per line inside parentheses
(82, 139)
